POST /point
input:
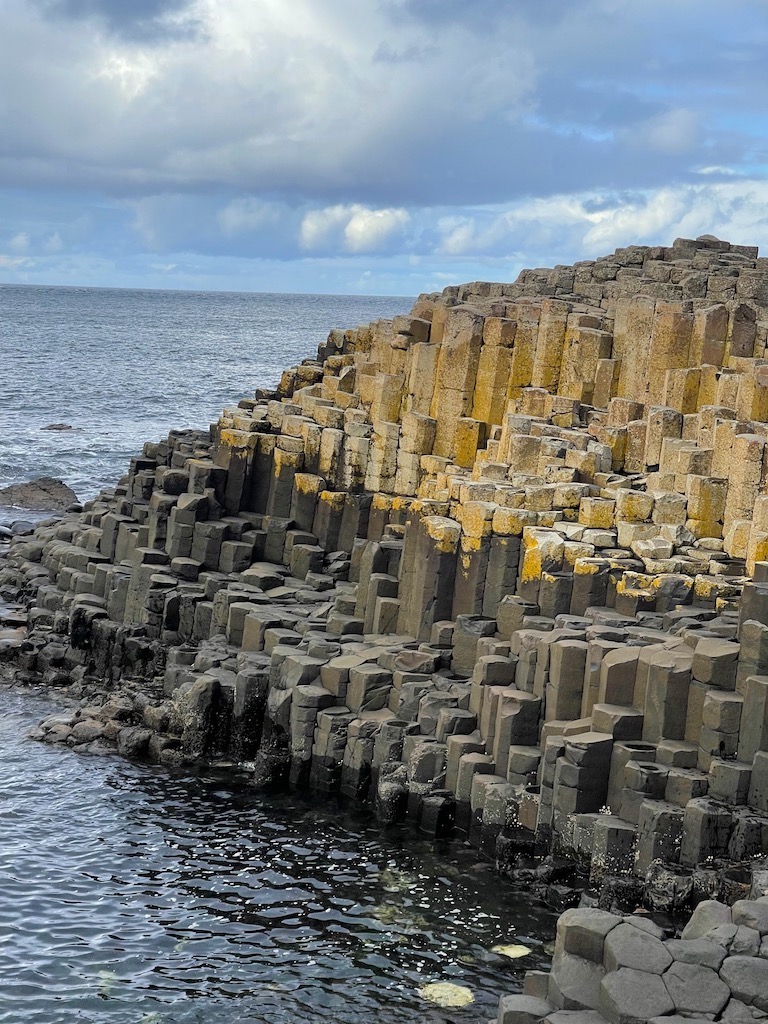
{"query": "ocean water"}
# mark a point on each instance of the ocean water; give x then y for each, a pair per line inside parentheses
(122, 367)
(132, 895)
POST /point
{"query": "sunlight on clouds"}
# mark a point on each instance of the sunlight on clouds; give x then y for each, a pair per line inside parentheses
(590, 224)
(718, 170)
(637, 221)
(317, 226)
(354, 228)
(367, 230)
(131, 74)
(734, 211)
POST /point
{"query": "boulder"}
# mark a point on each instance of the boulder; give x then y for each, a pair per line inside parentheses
(707, 915)
(45, 493)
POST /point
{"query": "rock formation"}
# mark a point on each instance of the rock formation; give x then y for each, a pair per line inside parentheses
(43, 494)
(625, 970)
(500, 565)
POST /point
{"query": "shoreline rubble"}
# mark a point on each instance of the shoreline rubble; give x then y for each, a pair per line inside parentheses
(499, 566)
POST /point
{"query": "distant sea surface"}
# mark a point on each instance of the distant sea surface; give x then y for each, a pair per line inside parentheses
(126, 366)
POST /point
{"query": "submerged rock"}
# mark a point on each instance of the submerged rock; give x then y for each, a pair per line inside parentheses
(445, 993)
(45, 493)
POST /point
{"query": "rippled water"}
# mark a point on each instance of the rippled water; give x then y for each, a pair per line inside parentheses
(125, 366)
(132, 896)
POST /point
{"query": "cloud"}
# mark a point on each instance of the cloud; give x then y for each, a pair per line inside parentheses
(169, 131)
(672, 133)
(354, 228)
(320, 227)
(13, 262)
(53, 243)
(143, 20)
(351, 102)
(247, 214)
(564, 228)
(369, 230)
(19, 242)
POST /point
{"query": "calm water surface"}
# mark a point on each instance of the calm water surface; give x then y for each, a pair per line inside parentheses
(125, 366)
(132, 896)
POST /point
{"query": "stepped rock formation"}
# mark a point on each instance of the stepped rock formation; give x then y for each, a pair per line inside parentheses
(500, 565)
(625, 970)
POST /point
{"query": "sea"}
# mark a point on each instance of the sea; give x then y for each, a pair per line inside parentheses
(121, 367)
(130, 894)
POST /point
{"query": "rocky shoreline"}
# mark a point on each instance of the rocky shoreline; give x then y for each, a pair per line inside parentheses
(496, 566)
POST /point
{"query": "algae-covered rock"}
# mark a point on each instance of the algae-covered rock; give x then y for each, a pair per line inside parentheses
(445, 993)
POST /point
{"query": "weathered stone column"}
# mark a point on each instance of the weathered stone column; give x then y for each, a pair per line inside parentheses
(428, 574)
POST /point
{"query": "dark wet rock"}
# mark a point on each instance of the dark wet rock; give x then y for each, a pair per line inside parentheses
(98, 748)
(45, 493)
(86, 731)
(22, 528)
(57, 733)
(195, 703)
(133, 741)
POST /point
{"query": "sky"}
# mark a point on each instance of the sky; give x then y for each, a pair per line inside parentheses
(371, 146)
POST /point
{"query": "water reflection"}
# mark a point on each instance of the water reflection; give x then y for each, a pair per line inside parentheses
(127, 895)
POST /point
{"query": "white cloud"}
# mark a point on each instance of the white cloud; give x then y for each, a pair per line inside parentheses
(369, 230)
(353, 228)
(318, 227)
(455, 133)
(650, 217)
(132, 73)
(19, 242)
(590, 224)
